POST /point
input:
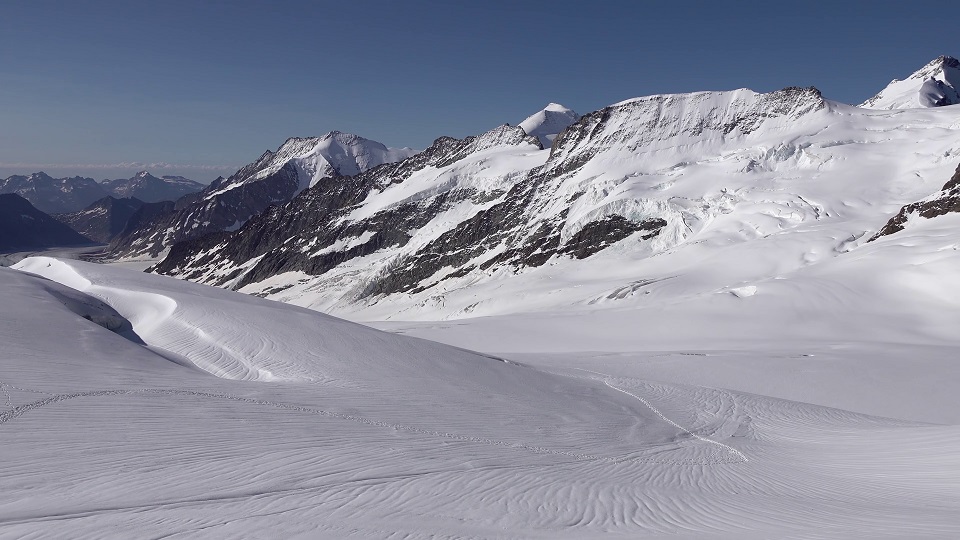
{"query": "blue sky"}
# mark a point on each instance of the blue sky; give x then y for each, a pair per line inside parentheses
(103, 88)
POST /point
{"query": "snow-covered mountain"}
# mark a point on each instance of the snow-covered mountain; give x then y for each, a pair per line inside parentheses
(24, 227)
(546, 124)
(148, 188)
(73, 194)
(275, 178)
(54, 195)
(626, 197)
(934, 85)
(716, 315)
(102, 220)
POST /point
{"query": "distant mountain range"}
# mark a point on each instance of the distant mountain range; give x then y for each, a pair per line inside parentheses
(636, 193)
(72, 194)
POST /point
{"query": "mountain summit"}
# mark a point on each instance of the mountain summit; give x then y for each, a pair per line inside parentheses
(934, 85)
(149, 188)
(546, 124)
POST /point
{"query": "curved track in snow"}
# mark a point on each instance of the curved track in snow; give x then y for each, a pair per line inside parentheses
(371, 435)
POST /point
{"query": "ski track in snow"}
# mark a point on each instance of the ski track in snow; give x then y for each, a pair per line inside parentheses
(409, 444)
(730, 449)
(16, 412)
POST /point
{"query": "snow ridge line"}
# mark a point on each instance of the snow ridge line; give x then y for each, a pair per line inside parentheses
(740, 455)
(16, 412)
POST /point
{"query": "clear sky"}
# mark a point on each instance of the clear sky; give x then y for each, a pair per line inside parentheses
(200, 88)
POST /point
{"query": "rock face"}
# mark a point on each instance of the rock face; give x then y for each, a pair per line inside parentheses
(936, 84)
(467, 209)
(148, 188)
(103, 220)
(23, 227)
(275, 178)
(945, 201)
(54, 195)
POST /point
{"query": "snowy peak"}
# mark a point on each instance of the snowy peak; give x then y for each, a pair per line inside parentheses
(149, 188)
(547, 123)
(314, 158)
(934, 85)
(345, 154)
(273, 179)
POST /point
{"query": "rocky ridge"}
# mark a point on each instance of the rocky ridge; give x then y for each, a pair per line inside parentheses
(274, 178)
(468, 208)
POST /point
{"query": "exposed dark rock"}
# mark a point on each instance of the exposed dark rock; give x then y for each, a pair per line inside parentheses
(947, 201)
(597, 235)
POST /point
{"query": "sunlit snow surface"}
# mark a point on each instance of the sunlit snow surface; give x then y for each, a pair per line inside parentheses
(250, 419)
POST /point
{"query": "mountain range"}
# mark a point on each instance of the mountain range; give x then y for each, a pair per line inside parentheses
(342, 223)
(620, 200)
(712, 315)
(72, 194)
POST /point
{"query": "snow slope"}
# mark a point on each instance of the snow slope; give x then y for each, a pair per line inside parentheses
(359, 434)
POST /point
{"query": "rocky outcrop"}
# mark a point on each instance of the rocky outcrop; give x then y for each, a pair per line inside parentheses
(946, 201)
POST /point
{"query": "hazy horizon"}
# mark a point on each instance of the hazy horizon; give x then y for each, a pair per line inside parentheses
(104, 89)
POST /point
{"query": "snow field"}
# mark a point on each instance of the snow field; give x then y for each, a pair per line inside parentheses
(371, 435)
